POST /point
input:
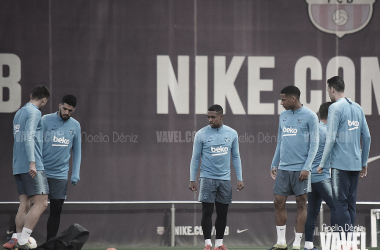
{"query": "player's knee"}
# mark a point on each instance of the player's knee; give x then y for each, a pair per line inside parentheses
(301, 204)
(279, 203)
(207, 211)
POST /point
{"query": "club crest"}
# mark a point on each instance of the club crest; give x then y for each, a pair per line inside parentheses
(340, 17)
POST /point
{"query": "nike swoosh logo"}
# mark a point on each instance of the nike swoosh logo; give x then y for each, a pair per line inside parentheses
(373, 158)
(9, 232)
(240, 231)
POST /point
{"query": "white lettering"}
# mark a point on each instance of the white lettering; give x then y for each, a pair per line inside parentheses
(11, 82)
(224, 87)
(256, 85)
(201, 84)
(370, 78)
(166, 80)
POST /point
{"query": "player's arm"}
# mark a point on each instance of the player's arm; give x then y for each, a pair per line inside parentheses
(276, 157)
(77, 156)
(366, 142)
(195, 158)
(30, 131)
(313, 148)
(236, 161)
(332, 128)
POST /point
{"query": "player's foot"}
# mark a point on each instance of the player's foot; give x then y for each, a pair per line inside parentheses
(314, 248)
(222, 247)
(10, 244)
(296, 247)
(279, 247)
(23, 247)
(208, 247)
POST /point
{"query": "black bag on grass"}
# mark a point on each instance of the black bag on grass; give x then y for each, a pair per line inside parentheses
(72, 238)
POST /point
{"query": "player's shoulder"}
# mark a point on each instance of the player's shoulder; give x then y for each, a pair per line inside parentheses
(204, 130)
(310, 114)
(229, 129)
(74, 122)
(48, 116)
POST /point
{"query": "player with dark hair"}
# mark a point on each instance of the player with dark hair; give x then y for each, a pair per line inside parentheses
(214, 145)
(346, 125)
(62, 133)
(320, 184)
(297, 145)
(28, 168)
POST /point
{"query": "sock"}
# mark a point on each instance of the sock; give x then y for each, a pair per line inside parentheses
(309, 245)
(14, 236)
(297, 240)
(218, 242)
(281, 230)
(18, 236)
(208, 242)
(25, 234)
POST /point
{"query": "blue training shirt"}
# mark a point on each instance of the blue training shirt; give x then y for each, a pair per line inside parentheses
(297, 141)
(315, 176)
(27, 134)
(59, 138)
(346, 124)
(214, 147)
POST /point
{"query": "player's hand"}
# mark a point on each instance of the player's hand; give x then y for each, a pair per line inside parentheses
(273, 173)
(240, 185)
(32, 169)
(303, 175)
(193, 186)
(363, 172)
(320, 170)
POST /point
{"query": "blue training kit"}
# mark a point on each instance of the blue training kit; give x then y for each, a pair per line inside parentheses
(60, 137)
(297, 141)
(315, 176)
(27, 133)
(214, 147)
(346, 124)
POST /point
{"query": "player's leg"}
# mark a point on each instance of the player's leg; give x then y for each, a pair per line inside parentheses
(281, 191)
(313, 207)
(340, 189)
(351, 199)
(207, 195)
(300, 189)
(38, 188)
(54, 218)
(222, 201)
(57, 196)
(20, 219)
(325, 190)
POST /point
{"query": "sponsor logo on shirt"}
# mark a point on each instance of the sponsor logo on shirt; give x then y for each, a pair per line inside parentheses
(17, 128)
(289, 131)
(62, 142)
(219, 150)
(353, 123)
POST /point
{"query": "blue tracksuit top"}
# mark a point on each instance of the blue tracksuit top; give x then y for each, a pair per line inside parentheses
(59, 138)
(346, 124)
(27, 134)
(315, 176)
(214, 147)
(297, 141)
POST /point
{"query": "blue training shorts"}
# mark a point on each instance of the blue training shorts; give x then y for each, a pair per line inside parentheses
(57, 189)
(288, 183)
(32, 186)
(212, 190)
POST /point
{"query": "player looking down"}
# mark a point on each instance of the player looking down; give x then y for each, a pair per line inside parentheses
(214, 145)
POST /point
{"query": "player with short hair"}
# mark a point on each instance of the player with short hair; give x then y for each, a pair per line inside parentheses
(320, 184)
(346, 125)
(28, 168)
(214, 145)
(62, 133)
(297, 145)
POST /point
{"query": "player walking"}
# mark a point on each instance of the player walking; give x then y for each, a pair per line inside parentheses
(345, 126)
(28, 168)
(297, 146)
(214, 145)
(320, 184)
(62, 133)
